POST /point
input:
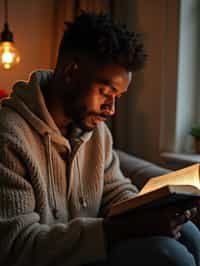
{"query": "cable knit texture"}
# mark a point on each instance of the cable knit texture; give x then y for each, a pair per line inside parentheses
(53, 196)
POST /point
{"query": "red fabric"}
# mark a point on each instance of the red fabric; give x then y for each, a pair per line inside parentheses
(3, 93)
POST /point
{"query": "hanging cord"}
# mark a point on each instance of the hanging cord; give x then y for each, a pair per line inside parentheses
(50, 171)
(6, 35)
(6, 11)
(82, 199)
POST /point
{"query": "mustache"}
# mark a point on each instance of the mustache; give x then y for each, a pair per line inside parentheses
(103, 115)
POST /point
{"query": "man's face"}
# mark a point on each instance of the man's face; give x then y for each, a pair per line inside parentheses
(96, 92)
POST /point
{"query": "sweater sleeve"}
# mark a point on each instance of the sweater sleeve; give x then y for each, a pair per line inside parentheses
(24, 240)
(116, 186)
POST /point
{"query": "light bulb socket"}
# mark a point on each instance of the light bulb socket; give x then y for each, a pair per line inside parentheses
(6, 34)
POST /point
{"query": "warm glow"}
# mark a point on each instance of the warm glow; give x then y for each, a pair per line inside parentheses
(9, 55)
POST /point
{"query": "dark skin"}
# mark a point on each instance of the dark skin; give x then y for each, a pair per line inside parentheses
(166, 221)
(86, 97)
(86, 93)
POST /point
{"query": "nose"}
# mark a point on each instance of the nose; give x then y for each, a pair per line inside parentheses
(109, 108)
(112, 108)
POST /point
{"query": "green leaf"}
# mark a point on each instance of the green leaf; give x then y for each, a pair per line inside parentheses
(195, 131)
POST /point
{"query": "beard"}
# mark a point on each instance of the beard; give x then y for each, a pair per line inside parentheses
(81, 115)
(76, 109)
(82, 118)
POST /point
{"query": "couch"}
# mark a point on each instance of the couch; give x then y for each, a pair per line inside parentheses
(138, 170)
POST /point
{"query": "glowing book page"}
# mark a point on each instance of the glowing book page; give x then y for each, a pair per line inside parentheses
(185, 176)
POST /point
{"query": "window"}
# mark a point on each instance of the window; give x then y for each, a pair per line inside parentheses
(181, 104)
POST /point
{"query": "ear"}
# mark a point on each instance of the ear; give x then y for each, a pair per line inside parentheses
(69, 71)
(70, 68)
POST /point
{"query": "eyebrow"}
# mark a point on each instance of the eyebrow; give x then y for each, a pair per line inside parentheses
(106, 82)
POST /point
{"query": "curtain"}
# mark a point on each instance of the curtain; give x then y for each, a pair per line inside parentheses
(67, 10)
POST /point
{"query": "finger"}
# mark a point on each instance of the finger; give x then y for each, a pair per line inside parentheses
(179, 219)
(174, 231)
(190, 213)
(194, 212)
(185, 216)
(177, 235)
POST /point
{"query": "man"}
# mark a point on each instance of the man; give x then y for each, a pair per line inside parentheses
(59, 175)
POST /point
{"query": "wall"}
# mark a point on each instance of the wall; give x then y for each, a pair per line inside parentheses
(142, 113)
(31, 22)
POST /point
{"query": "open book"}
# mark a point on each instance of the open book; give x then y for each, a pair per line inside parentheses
(172, 188)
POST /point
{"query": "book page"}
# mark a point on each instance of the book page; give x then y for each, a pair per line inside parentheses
(185, 176)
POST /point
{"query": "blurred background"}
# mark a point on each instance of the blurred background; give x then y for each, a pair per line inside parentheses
(156, 114)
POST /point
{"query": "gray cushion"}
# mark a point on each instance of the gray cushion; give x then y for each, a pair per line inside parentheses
(139, 170)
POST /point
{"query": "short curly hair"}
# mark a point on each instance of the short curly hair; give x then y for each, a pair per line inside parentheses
(98, 36)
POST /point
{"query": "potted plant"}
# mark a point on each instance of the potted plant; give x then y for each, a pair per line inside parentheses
(195, 132)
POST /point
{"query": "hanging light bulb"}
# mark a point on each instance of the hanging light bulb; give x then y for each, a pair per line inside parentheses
(9, 55)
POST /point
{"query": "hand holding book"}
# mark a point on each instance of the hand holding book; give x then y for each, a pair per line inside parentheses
(165, 221)
(161, 208)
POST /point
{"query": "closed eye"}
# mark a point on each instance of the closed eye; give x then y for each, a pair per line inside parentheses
(103, 93)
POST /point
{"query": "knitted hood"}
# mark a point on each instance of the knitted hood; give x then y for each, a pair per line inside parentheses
(27, 99)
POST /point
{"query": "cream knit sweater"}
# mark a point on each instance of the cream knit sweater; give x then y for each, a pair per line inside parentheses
(52, 197)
